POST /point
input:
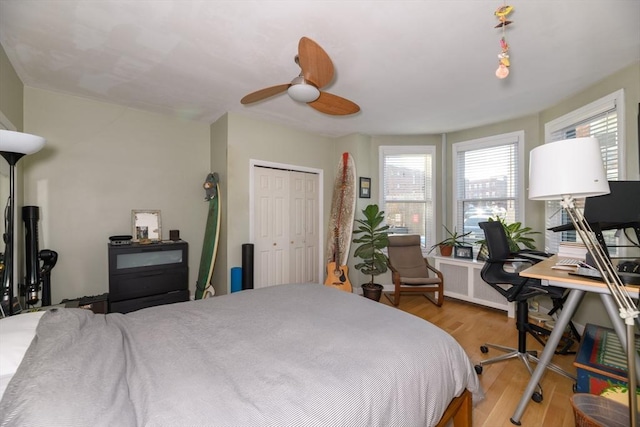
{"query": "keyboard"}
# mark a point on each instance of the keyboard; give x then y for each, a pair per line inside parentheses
(570, 262)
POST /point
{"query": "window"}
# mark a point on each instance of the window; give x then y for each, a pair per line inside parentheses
(408, 190)
(601, 119)
(488, 181)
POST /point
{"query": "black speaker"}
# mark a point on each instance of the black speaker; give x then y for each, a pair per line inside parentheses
(247, 266)
(30, 216)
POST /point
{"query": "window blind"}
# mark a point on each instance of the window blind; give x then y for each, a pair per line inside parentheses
(407, 189)
(602, 125)
(487, 179)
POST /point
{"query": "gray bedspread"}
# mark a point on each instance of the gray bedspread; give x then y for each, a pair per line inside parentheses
(288, 355)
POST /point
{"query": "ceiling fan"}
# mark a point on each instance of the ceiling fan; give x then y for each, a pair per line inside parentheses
(316, 72)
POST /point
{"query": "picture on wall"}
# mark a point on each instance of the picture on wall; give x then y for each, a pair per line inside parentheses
(365, 188)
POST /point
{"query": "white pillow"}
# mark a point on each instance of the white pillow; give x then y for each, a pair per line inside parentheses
(16, 334)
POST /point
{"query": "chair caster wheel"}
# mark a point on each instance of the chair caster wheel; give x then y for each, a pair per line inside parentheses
(484, 349)
(536, 397)
(478, 369)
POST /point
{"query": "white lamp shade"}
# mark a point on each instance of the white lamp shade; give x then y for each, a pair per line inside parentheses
(302, 91)
(572, 167)
(19, 142)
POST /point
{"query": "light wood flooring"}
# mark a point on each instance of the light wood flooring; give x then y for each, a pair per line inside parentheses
(503, 382)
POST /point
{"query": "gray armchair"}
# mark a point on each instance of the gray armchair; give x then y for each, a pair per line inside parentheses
(411, 272)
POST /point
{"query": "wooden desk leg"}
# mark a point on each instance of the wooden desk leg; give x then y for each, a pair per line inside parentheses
(618, 326)
(570, 306)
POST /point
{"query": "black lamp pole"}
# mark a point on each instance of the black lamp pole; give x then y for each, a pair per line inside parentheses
(7, 283)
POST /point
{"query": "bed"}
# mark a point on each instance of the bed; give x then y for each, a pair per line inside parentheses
(286, 355)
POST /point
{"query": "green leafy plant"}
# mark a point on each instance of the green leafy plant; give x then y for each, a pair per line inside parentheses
(452, 239)
(374, 237)
(517, 235)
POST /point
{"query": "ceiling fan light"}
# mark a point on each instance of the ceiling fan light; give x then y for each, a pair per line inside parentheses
(301, 91)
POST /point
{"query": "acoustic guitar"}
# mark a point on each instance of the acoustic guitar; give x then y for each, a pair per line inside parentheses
(337, 274)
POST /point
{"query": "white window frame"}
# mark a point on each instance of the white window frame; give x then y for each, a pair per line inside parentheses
(606, 103)
(430, 236)
(488, 142)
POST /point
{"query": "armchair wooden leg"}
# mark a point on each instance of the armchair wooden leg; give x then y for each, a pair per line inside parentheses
(436, 301)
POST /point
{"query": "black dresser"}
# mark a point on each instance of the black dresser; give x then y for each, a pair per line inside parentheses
(147, 275)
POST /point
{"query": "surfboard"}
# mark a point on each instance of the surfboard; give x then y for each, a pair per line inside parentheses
(340, 228)
(204, 288)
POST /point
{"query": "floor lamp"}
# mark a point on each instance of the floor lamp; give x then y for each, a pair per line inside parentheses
(13, 146)
(570, 169)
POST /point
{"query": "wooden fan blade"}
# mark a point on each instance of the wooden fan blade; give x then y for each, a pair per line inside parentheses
(265, 93)
(316, 65)
(335, 105)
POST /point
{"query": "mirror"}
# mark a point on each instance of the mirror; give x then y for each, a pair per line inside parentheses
(146, 226)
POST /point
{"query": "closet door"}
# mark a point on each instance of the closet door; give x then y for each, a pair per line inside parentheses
(286, 236)
(303, 229)
(271, 225)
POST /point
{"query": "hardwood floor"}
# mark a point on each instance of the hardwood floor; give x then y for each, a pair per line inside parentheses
(503, 382)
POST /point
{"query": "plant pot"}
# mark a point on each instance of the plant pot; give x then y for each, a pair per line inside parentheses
(372, 291)
(446, 250)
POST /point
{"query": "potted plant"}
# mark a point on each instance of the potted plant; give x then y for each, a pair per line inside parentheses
(374, 237)
(517, 235)
(452, 239)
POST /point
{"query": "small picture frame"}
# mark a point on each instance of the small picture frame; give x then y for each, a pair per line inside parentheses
(463, 252)
(365, 188)
(146, 225)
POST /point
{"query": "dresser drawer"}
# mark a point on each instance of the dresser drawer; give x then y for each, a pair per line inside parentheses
(158, 281)
(130, 305)
(138, 258)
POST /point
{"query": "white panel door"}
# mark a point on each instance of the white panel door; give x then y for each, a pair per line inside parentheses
(271, 218)
(286, 229)
(304, 239)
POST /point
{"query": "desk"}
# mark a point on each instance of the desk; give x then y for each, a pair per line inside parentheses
(578, 287)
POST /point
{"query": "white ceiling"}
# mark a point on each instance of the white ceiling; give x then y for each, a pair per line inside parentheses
(414, 67)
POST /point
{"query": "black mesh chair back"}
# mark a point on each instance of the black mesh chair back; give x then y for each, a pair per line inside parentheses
(493, 272)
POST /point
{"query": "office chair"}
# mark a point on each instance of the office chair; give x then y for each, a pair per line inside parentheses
(411, 272)
(515, 289)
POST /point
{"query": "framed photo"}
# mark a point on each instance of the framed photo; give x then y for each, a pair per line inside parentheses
(464, 252)
(365, 188)
(146, 226)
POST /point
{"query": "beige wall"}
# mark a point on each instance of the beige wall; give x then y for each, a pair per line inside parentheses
(100, 162)
(11, 93)
(249, 139)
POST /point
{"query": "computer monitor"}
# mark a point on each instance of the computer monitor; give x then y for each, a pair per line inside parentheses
(621, 206)
(619, 209)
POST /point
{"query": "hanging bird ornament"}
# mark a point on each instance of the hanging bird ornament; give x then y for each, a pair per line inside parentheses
(503, 57)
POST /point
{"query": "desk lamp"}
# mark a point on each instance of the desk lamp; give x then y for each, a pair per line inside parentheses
(570, 169)
(13, 145)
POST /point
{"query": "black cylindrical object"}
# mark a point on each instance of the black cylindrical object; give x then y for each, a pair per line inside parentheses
(247, 266)
(49, 259)
(30, 216)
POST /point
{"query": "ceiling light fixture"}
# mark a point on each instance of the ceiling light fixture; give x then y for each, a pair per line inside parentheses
(302, 91)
